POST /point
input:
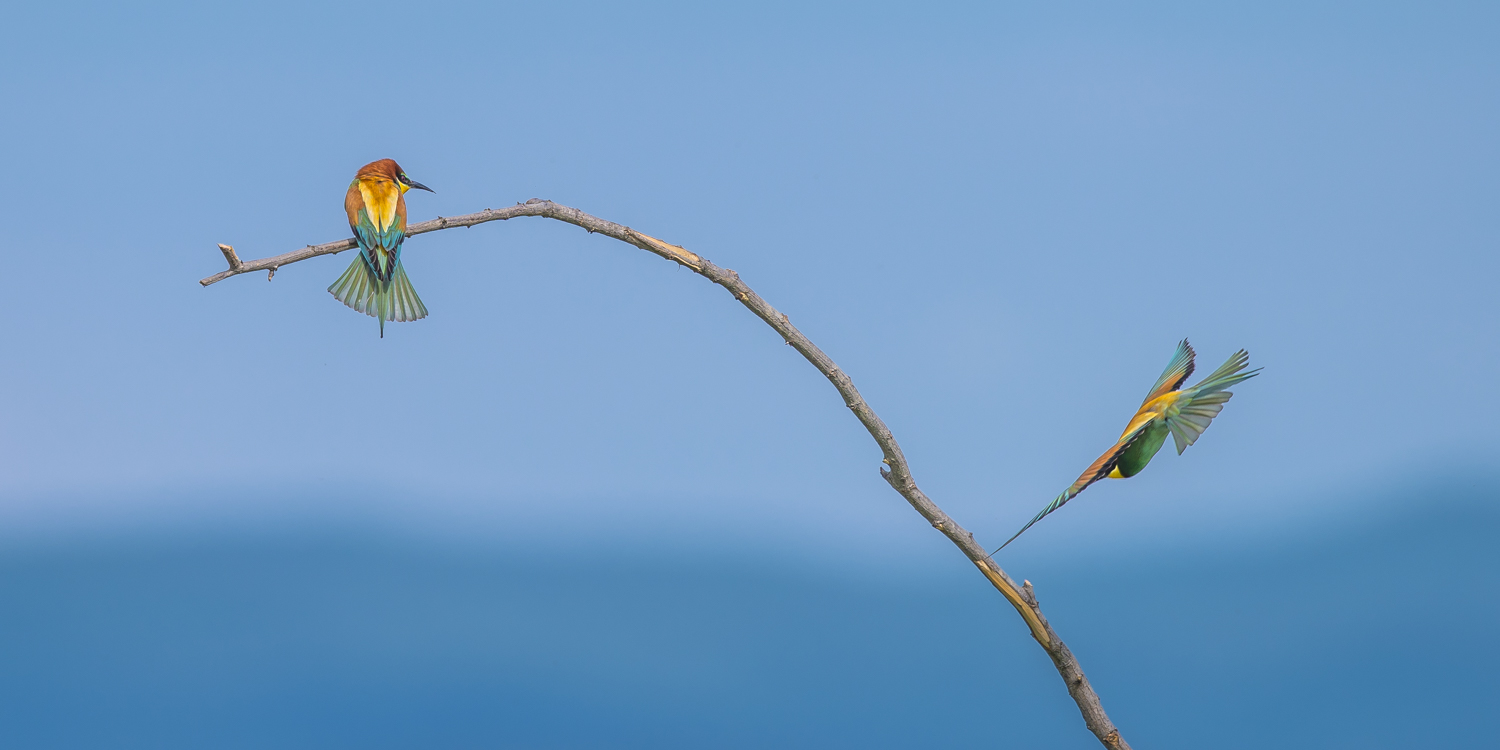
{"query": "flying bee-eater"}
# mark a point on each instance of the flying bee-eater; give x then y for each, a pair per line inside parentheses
(375, 283)
(1184, 412)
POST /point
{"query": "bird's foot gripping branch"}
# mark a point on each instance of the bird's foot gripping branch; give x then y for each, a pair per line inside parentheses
(898, 476)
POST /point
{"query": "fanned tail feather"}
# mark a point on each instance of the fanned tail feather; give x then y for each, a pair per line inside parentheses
(355, 288)
(1204, 401)
(1227, 376)
(396, 301)
(406, 306)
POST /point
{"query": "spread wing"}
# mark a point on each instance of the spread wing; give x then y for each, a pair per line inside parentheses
(1179, 369)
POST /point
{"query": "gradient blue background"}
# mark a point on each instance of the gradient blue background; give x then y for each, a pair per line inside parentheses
(591, 500)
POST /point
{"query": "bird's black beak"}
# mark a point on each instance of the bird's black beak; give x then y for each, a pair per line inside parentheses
(413, 184)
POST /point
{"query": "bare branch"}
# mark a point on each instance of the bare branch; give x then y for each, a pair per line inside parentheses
(898, 475)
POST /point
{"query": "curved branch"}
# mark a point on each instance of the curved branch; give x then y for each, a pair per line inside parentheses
(898, 475)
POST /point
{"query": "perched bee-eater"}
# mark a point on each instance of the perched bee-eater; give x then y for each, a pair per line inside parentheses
(1185, 413)
(375, 283)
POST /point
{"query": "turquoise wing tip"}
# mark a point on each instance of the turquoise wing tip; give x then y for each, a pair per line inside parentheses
(1058, 502)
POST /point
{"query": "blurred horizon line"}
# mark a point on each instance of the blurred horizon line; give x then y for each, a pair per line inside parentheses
(675, 522)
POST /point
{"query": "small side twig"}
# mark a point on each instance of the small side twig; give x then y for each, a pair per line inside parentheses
(229, 255)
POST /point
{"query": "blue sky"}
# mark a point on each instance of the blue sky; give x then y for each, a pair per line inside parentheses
(999, 220)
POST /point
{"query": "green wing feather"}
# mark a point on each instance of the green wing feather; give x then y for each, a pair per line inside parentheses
(1179, 369)
(1198, 406)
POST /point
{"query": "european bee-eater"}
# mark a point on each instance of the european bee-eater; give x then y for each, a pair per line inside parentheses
(1185, 413)
(375, 283)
